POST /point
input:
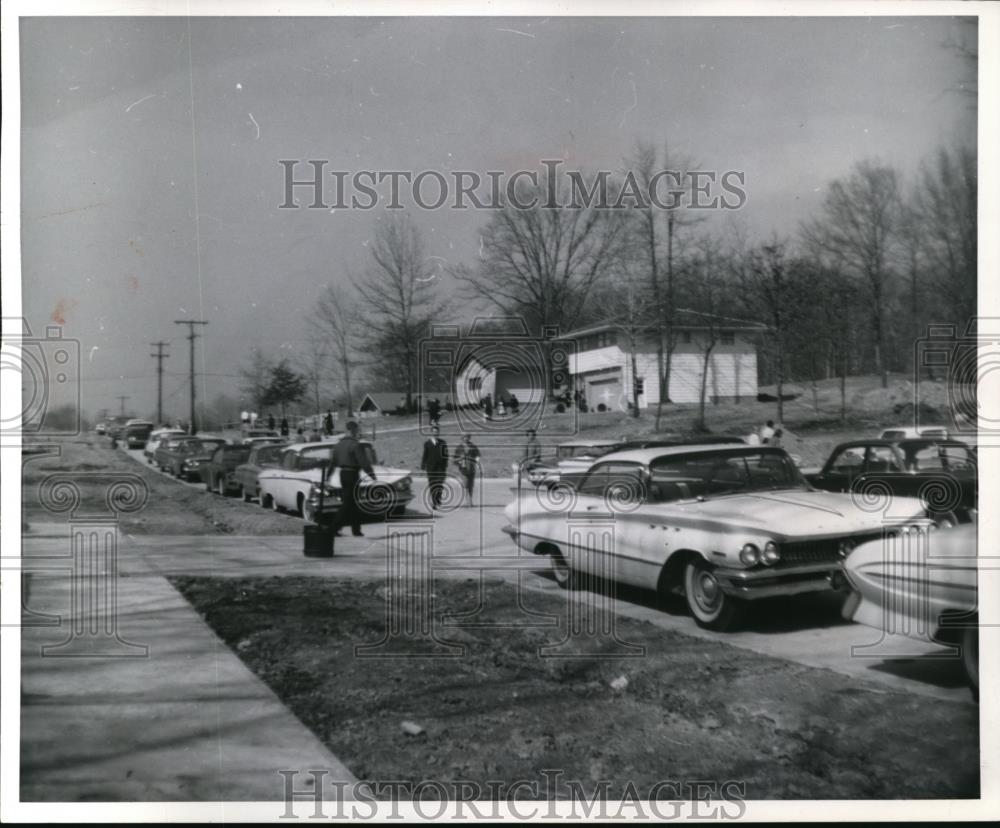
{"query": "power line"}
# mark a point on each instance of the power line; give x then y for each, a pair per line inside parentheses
(159, 356)
(191, 338)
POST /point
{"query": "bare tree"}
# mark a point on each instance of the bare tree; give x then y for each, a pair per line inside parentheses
(856, 233)
(542, 263)
(315, 361)
(708, 295)
(398, 291)
(336, 320)
(768, 292)
(943, 211)
(627, 297)
(656, 234)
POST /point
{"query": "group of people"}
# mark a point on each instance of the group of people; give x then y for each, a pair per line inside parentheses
(468, 460)
(504, 405)
(768, 435)
(435, 463)
(304, 434)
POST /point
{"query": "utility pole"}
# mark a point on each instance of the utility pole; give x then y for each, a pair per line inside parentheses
(159, 356)
(191, 338)
(122, 401)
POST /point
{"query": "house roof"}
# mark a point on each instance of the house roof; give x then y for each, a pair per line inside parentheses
(683, 320)
(386, 400)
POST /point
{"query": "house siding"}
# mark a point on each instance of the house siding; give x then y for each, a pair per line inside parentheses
(732, 372)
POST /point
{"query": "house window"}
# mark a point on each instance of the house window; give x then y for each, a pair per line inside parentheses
(728, 338)
(640, 386)
(475, 383)
(685, 337)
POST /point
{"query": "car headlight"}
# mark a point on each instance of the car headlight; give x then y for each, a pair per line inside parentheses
(846, 546)
(749, 554)
(771, 554)
(192, 464)
(403, 485)
(316, 490)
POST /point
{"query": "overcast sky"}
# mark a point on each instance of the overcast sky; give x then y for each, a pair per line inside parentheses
(132, 130)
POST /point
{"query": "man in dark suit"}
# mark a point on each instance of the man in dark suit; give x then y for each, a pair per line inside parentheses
(435, 463)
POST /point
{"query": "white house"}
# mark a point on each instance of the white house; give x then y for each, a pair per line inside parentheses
(507, 370)
(601, 366)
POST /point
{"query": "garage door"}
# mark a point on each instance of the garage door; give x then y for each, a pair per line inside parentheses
(605, 391)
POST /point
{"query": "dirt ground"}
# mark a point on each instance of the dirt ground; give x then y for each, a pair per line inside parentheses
(687, 709)
(170, 509)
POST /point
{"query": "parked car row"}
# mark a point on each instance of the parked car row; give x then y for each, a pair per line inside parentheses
(260, 466)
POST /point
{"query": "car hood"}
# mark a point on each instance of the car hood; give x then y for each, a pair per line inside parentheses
(793, 513)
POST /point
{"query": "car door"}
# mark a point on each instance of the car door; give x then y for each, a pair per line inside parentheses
(284, 480)
(840, 471)
(605, 529)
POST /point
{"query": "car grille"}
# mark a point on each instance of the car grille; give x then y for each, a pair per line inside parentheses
(819, 551)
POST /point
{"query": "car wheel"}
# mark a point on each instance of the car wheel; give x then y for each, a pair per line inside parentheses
(220, 486)
(245, 495)
(265, 501)
(710, 606)
(300, 506)
(275, 506)
(970, 657)
(561, 570)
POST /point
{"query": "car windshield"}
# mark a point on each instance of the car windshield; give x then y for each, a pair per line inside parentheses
(209, 445)
(893, 434)
(709, 474)
(238, 454)
(312, 458)
(269, 454)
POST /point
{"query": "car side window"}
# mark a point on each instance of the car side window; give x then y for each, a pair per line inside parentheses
(848, 461)
(625, 483)
(595, 482)
(217, 456)
(288, 461)
(882, 459)
(957, 457)
(925, 459)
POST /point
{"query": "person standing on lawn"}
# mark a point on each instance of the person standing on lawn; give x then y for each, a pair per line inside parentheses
(435, 463)
(467, 460)
(349, 456)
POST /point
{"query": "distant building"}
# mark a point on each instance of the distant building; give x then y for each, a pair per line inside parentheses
(380, 403)
(500, 375)
(601, 367)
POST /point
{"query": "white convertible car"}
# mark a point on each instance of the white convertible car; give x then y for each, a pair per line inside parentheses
(297, 485)
(723, 524)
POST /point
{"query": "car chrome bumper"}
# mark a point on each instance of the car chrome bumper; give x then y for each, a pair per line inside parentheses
(752, 584)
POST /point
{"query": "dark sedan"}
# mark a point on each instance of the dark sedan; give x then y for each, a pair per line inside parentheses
(942, 473)
(172, 451)
(219, 472)
(262, 456)
(192, 461)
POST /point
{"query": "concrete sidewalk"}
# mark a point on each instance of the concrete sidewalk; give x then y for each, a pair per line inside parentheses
(185, 722)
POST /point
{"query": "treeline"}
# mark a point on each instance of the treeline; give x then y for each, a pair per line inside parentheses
(850, 292)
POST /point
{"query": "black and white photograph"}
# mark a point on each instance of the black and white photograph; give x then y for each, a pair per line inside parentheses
(499, 411)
